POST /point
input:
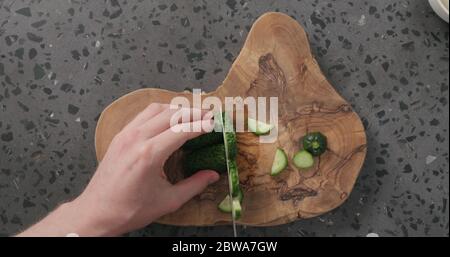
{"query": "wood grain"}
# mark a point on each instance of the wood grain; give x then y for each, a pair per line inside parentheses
(276, 60)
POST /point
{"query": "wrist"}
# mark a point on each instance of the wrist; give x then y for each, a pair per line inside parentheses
(89, 220)
(68, 219)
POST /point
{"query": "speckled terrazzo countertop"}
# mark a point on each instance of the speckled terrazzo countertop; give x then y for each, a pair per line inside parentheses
(62, 62)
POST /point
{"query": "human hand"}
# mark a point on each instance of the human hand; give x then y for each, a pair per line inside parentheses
(129, 190)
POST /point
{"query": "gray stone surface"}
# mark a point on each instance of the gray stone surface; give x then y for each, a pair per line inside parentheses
(62, 62)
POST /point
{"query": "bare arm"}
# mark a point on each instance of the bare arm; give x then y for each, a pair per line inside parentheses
(129, 190)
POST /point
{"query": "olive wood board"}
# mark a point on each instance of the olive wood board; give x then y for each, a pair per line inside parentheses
(276, 60)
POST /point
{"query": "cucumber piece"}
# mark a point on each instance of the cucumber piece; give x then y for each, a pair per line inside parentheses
(215, 137)
(279, 163)
(207, 158)
(237, 209)
(225, 206)
(258, 127)
(303, 160)
(315, 143)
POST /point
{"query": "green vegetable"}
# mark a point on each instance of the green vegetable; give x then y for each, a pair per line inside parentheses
(225, 206)
(237, 209)
(207, 158)
(258, 127)
(230, 135)
(239, 195)
(234, 178)
(208, 152)
(204, 140)
(315, 143)
(303, 160)
(279, 163)
(214, 137)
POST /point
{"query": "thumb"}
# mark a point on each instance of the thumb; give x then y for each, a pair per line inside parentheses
(194, 185)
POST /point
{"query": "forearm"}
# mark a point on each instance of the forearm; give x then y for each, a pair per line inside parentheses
(129, 189)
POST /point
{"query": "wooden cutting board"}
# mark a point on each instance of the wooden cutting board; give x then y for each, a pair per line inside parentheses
(276, 60)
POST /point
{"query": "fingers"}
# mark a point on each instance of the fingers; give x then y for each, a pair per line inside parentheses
(151, 111)
(155, 151)
(184, 190)
(169, 118)
(173, 138)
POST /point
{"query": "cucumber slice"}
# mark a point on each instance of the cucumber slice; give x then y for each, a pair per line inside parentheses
(239, 195)
(258, 127)
(303, 160)
(225, 123)
(234, 178)
(225, 206)
(237, 209)
(279, 163)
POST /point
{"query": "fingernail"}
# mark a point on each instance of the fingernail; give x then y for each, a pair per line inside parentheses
(213, 178)
(209, 115)
(208, 125)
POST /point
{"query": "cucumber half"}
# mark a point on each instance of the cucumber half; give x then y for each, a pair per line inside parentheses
(258, 127)
(303, 160)
(279, 163)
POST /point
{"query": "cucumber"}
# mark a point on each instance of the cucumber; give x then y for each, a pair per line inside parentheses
(214, 137)
(225, 206)
(230, 138)
(237, 209)
(204, 140)
(239, 195)
(236, 192)
(230, 134)
(209, 152)
(279, 163)
(207, 158)
(234, 178)
(303, 160)
(258, 127)
(315, 143)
